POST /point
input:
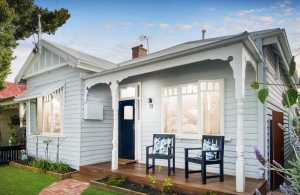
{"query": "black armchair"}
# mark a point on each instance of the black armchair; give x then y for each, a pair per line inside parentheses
(163, 147)
(212, 152)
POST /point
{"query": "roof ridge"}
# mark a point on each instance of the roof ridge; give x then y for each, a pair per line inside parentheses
(187, 43)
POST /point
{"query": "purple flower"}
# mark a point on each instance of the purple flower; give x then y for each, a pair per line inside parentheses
(257, 192)
(286, 189)
(277, 164)
(259, 156)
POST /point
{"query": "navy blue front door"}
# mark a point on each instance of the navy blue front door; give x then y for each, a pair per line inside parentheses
(126, 129)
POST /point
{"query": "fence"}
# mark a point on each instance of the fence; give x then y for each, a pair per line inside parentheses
(10, 153)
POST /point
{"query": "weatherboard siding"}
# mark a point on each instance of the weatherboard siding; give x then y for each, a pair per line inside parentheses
(151, 118)
(96, 135)
(69, 151)
(274, 102)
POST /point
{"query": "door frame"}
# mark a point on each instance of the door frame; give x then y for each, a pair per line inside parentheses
(278, 137)
(137, 117)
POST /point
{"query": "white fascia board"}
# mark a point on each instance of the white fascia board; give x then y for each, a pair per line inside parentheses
(286, 55)
(254, 51)
(286, 63)
(45, 70)
(88, 66)
(24, 67)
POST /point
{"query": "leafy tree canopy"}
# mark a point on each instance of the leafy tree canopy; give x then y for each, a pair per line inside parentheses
(18, 21)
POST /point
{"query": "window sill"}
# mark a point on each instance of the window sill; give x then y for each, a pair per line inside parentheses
(189, 136)
(50, 135)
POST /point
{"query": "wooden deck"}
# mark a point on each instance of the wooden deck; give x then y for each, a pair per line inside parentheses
(136, 172)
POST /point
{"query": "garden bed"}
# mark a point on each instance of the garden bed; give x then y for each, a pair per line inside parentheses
(60, 176)
(127, 187)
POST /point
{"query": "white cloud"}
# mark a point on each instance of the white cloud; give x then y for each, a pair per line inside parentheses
(115, 25)
(266, 19)
(149, 25)
(183, 26)
(165, 26)
(245, 12)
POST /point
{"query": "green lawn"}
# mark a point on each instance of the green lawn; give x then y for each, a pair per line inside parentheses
(95, 191)
(16, 181)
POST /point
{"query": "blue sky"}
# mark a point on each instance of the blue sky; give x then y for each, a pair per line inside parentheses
(109, 29)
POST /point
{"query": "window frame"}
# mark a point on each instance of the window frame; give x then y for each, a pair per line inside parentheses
(198, 135)
(41, 132)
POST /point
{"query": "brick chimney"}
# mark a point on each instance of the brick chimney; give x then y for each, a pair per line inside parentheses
(138, 51)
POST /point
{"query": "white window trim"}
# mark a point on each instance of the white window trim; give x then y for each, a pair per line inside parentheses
(200, 122)
(52, 134)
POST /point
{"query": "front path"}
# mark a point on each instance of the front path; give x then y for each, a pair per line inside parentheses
(65, 187)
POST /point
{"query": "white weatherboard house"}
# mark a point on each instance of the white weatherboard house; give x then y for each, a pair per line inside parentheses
(191, 89)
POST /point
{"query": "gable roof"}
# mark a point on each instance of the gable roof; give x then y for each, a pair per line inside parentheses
(199, 43)
(82, 56)
(187, 48)
(247, 38)
(76, 59)
(11, 90)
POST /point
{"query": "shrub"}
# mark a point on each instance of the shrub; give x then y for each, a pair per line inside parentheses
(166, 186)
(116, 180)
(49, 166)
(41, 164)
(59, 167)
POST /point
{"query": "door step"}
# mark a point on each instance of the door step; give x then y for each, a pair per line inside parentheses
(126, 161)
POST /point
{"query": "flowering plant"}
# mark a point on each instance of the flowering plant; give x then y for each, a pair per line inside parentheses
(291, 174)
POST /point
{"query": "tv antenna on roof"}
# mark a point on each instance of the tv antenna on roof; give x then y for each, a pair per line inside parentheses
(145, 38)
(39, 32)
(37, 44)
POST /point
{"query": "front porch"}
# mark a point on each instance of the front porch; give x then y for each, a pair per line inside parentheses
(136, 172)
(159, 86)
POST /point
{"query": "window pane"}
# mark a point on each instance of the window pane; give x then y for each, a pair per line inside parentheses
(56, 113)
(189, 113)
(127, 92)
(128, 113)
(40, 114)
(203, 86)
(46, 115)
(170, 114)
(211, 112)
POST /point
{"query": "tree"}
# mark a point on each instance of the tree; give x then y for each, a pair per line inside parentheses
(18, 21)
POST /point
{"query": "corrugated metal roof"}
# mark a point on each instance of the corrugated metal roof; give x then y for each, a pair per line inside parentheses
(177, 48)
(194, 44)
(11, 90)
(101, 63)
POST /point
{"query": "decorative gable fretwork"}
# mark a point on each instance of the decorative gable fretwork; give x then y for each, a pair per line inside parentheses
(44, 61)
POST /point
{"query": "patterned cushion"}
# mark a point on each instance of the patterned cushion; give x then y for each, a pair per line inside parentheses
(161, 145)
(210, 145)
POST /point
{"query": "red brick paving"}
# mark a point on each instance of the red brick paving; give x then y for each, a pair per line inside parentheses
(65, 187)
